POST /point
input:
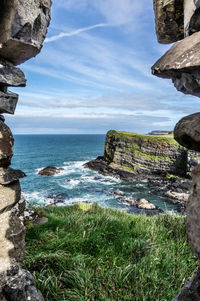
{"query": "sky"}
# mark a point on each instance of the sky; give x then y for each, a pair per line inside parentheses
(94, 73)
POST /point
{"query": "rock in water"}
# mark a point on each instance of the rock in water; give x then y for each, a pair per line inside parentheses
(6, 145)
(26, 27)
(169, 19)
(187, 132)
(181, 64)
(144, 204)
(50, 171)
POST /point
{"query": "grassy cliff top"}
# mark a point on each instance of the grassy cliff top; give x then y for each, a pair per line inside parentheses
(157, 139)
(86, 252)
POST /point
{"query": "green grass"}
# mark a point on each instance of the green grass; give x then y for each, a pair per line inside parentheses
(85, 252)
(156, 139)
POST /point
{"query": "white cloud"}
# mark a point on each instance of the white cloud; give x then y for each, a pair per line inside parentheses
(73, 32)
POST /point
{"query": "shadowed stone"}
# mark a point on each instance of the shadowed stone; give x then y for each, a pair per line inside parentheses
(9, 195)
(169, 20)
(191, 16)
(187, 132)
(9, 175)
(181, 63)
(6, 145)
(26, 29)
(10, 75)
(8, 102)
(22, 288)
(193, 212)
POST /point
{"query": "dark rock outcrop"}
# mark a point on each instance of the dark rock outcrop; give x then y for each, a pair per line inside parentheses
(49, 171)
(187, 132)
(6, 145)
(10, 75)
(135, 156)
(26, 27)
(23, 26)
(169, 19)
(181, 64)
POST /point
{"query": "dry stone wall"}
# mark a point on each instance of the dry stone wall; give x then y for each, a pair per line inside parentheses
(181, 63)
(23, 27)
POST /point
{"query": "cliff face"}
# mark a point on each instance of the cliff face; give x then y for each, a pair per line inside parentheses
(145, 154)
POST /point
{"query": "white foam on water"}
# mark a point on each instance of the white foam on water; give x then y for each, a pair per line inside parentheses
(34, 197)
(37, 170)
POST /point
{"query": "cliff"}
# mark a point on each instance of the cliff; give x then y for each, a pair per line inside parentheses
(134, 156)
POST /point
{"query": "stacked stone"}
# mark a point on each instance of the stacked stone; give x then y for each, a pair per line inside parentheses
(180, 20)
(23, 27)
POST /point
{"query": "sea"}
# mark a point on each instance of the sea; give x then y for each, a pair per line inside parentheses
(74, 183)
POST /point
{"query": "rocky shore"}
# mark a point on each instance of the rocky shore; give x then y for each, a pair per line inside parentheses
(156, 159)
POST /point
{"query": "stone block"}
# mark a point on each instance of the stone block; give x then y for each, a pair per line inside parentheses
(9, 195)
(169, 18)
(9, 175)
(8, 102)
(26, 28)
(191, 16)
(10, 75)
(187, 132)
(6, 145)
(181, 63)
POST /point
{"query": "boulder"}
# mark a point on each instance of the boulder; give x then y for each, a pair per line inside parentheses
(144, 204)
(9, 175)
(191, 16)
(181, 64)
(50, 171)
(21, 287)
(8, 102)
(187, 132)
(11, 75)
(9, 195)
(6, 145)
(26, 27)
(128, 201)
(193, 212)
(169, 20)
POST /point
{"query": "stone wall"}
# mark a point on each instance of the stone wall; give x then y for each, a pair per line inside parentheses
(23, 27)
(181, 64)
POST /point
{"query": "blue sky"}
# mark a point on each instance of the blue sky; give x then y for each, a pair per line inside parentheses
(94, 73)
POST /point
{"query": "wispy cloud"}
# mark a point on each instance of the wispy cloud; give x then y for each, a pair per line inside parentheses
(74, 32)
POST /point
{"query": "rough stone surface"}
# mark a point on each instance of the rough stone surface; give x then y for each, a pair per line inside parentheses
(143, 154)
(21, 287)
(193, 212)
(9, 175)
(144, 204)
(169, 20)
(181, 64)
(8, 102)
(26, 29)
(9, 195)
(191, 16)
(187, 132)
(6, 145)
(49, 171)
(10, 75)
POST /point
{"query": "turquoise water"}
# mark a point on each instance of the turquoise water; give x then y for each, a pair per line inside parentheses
(75, 183)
